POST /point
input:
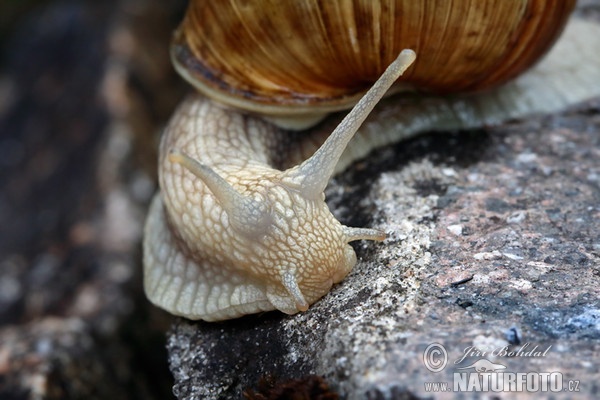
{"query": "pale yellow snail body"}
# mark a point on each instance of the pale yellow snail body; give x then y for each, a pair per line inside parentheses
(229, 233)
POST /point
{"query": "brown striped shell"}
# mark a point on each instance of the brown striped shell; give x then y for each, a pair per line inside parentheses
(295, 57)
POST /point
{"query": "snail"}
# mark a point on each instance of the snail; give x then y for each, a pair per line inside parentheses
(240, 224)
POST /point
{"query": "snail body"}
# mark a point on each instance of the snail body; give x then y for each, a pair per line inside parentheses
(247, 232)
(240, 224)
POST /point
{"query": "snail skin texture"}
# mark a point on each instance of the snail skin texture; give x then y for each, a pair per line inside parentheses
(240, 224)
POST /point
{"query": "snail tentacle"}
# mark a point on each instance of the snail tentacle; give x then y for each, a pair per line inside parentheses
(314, 173)
(246, 214)
(291, 285)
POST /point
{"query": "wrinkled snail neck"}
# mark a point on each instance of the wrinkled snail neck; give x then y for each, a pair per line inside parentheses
(251, 216)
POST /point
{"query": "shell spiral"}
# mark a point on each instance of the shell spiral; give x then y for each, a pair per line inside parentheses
(277, 58)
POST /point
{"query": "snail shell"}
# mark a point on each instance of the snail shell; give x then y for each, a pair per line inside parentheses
(240, 224)
(305, 57)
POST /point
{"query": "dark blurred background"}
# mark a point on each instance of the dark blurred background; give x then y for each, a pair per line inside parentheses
(85, 87)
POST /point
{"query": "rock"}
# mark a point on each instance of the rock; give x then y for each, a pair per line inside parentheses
(57, 358)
